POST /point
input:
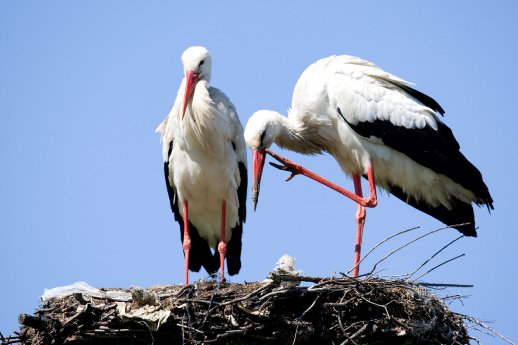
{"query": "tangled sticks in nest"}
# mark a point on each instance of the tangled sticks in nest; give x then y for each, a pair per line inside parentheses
(326, 311)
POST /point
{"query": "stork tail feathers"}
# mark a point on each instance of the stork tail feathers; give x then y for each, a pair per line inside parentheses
(460, 217)
(234, 250)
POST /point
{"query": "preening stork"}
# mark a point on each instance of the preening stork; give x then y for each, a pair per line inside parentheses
(376, 126)
(205, 169)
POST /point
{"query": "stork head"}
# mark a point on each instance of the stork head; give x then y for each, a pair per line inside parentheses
(261, 131)
(196, 66)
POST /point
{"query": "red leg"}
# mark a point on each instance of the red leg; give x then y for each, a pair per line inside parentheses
(186, 240)
(297, 169)
(360, 222)
(222, 246)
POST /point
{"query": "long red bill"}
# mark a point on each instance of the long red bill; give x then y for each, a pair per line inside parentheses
(258, 159)
(191, 78)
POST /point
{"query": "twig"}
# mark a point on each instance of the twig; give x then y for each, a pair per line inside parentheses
(224, 335)
(294, 278)
(356, 334)
(189, 328)
(274, 293)
(150, 332)
(434, 255)
(310, 307)
(201, 301)
(444, 285)
(233, 332)
(349, 339)
(475, 340)
(175, 294)
(339, 317)
(183, 330)
(81, 312)
(340, 304)
(442, 263)
(450, 298)
(384, 306)
(209, 309)
(256, 291)
(379, 244)
(9, 340)
(483, 331)
(483, 325)
(403, 246)
(46, 310)
(295, 336)
(339, 281)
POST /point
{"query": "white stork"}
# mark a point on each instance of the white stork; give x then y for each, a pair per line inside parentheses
(375, 125)
(205, 169)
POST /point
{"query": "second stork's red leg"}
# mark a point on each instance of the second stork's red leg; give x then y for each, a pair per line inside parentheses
(222, 246)
(186, 240)
(361, 213)
(297, 169)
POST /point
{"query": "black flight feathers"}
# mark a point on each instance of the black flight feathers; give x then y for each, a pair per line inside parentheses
(434, 149)
(418, 95)
(234, 245)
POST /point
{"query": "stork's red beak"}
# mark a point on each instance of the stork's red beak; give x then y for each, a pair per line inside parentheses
(191, 78)
(258, 159)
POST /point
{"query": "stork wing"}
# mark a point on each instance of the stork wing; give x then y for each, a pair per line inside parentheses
(387, 111)
(234, 245)
(241, 176)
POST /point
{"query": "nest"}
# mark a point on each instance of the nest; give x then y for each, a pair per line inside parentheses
(282, 311)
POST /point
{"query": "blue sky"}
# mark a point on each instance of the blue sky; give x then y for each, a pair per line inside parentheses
(83, 85)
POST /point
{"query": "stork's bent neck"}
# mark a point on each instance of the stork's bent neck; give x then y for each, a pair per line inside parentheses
(296, 136)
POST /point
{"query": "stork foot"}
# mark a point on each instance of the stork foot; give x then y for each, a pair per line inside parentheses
(290, 166)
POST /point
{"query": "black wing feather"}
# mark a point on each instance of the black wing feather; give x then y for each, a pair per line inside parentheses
(200, 253)
(418, 95)
(434, 149)
(234, 245)
(461, 213)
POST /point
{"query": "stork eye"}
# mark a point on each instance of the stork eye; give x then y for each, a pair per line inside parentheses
(201, 62)
(261, 139)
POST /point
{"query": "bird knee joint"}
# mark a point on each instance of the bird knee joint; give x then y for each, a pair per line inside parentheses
(186, 244)
(222, 248)
(372, 202)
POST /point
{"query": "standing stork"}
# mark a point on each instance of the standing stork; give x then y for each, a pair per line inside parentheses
(376, 126)
(205, 169)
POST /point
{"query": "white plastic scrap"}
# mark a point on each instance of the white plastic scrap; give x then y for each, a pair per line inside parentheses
(153, 315)
(84, 289)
